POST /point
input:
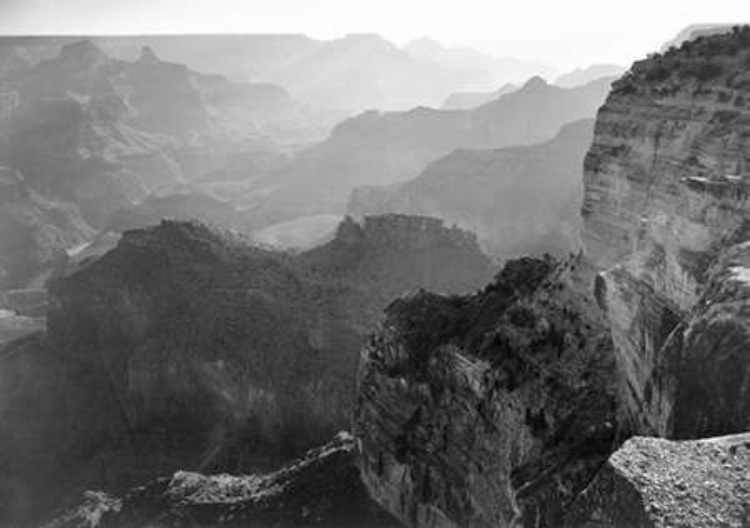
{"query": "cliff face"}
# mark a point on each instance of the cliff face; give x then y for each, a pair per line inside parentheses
(248, 354)
(503, 417)
(666, 187)
(519, 200)
(488, 410)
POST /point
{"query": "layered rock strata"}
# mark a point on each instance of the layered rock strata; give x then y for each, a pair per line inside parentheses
(488, 410)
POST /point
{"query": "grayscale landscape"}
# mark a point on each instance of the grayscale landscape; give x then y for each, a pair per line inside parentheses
(347, 265)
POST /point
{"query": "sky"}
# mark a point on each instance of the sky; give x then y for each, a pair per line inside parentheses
(562, 33)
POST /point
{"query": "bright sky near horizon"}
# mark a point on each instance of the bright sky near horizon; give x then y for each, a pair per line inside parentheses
(563, 33)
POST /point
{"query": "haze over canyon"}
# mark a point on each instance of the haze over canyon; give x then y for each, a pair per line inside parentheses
(279, 281)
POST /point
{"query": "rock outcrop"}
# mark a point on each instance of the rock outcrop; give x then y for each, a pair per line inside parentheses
(652, 482)
(518, 200)
(500, 409)
(666, 195)
(323, 488)
(183, 348)
(488, 410)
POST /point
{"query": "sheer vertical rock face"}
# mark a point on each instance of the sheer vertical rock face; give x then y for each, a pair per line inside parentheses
(702, 375)
(666, 182)
(652, 482)
(487, 410)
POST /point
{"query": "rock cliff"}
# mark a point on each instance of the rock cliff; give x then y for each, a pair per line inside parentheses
(488, 410)
(665, 196)
(183, 348)
(501, 408)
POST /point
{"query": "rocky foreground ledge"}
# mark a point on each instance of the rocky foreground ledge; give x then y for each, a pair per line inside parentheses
(322, 489)
(653, 482)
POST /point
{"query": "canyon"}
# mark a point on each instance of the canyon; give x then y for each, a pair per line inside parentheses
(377, 148)
(489, 192)
(660, 293)
(248, 354)
(189, 376)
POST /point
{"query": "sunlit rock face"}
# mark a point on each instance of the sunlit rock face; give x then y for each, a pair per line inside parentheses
(656, 482)
(666, 182)
(187, 348)
(488, 410)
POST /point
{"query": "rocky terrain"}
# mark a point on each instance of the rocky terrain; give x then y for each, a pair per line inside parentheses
(321, 489)
(488, 410)
(694, 31)
(657, 482)
(377, 148)
(649, 322)
(518, 200)
(665, 201)
(249, 355)
(608, 388)
(91, 142)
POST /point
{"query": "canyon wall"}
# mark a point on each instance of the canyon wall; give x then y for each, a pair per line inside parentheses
(488, 410)
(188, 348)
(666, 187)
(469, 418)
